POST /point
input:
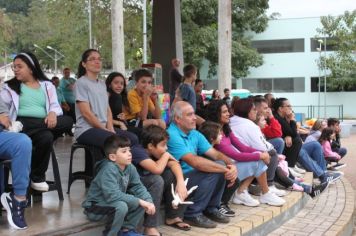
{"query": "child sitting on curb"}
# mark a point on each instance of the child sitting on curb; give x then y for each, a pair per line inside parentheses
(158, 170)
(326, 138)
(116, 193)
(287, 180)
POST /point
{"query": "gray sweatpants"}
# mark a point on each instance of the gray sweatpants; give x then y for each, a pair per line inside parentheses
(118, 215)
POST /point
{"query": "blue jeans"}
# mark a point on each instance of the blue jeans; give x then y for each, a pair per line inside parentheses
(18, 148)
(315, 151)
(341, 151)
(208, 195)
(309, 164)
(154, 185)
(278, 144)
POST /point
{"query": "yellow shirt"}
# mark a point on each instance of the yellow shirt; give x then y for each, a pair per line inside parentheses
(136, 104)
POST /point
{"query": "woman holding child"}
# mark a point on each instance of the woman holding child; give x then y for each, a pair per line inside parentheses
(250, 162)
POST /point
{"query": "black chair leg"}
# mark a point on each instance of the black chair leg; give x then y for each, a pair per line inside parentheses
(57, 177)
(88, 169)
(70, 176)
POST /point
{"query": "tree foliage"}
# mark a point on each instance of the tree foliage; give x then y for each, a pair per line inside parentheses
(15, 6)
(6, 31)
(200, 33)
(63, 25)
(342, 63)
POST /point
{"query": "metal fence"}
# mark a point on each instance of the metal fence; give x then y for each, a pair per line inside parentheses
(325, 112)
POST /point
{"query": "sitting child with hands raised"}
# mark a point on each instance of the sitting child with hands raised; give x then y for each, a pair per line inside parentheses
(158, 170)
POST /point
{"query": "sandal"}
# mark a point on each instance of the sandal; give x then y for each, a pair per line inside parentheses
(177, 225)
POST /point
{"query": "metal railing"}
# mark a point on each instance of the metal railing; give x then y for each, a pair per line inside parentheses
(312, 111)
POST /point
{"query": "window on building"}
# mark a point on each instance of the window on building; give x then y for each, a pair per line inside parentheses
(314, 86)
(288, 85)
(279, 46)
(257, 85)
(275, 85)
(331, 44)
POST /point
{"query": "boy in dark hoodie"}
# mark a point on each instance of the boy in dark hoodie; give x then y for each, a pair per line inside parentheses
(116, 193)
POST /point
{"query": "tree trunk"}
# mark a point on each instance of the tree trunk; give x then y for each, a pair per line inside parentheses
(117, 29)
(224, 43)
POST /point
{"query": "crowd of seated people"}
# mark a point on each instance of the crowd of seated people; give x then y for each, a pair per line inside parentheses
(222, 147)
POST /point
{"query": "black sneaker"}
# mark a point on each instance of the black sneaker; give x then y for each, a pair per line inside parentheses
(330, 177)
(15, 210)
(200, 221)
(338, 166)
(333, 176)
(225, 210)
(217, 217)
(318, 189)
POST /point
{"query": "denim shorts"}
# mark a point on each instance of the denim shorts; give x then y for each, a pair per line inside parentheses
(251, 168)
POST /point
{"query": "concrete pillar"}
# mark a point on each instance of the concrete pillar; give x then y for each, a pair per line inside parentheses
(166, 36)
(117, 31)
(224, 44)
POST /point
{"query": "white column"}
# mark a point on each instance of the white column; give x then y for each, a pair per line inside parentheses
(90, 25)
(144, 27)
(117, 31)
(224, 44)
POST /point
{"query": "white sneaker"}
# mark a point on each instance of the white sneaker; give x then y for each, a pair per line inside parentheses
(245, 198)
(272, 199)
(294, 173)
(278, 192)
(299, 170)
(41, 186)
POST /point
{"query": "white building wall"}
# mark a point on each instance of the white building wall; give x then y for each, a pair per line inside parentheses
(300, 64)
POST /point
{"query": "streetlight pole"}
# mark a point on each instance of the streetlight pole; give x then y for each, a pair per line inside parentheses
(319, 50)
(57, 56)
(44, 51)
(5, 61)
(325, 79)
(90, 33)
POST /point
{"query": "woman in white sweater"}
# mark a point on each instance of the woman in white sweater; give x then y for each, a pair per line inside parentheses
(243, 126)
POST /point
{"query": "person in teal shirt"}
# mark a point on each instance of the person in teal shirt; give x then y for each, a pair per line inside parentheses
(67, 86)
(61, 99)
(191, 148)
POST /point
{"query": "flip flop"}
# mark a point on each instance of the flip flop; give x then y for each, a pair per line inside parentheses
(176, 226)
